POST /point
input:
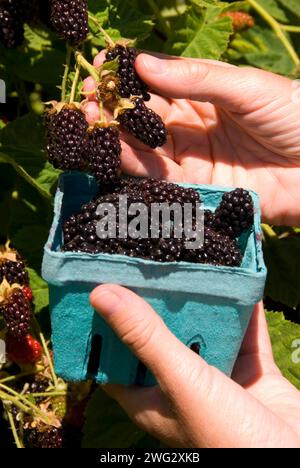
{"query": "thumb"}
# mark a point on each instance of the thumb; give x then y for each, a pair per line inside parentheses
(143, 331)
(207, 81)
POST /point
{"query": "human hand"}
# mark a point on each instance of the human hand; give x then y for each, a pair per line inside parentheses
(227, 126)
(195, 405)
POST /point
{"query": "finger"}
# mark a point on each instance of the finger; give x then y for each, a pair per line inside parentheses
(99, 59)
(89, 88)
(148, 408)
(234, 88)
(92, 112)
(142, 330)
(213, 410)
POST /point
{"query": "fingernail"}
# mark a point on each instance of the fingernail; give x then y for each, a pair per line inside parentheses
(105, 300)
(154, 65)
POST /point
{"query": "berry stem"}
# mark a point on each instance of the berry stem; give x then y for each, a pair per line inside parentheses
(46, 351)
(288, 28)
(103, 118)
(66, 74)
(25, 401)
(87, 66)
(75, 84)
(48, 394)
(269, 232)
(17, 440)
(106, 36)
(9, 398)
(13, 378)
(277, 28)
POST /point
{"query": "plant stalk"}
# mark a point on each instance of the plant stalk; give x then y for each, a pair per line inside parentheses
(66, 74)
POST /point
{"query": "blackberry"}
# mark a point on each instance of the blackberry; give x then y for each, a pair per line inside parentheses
(104, 151)
(13, 272)
(70, 19)
(11, 24)
(209, 218)
(144, 124)
(67, 138)
(235, 214)
(48, 438)
(17, 314)
(218, 250)
(130, 82)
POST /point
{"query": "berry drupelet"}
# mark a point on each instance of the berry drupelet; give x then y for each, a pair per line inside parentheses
(70, 19)
(130, 82)
(144, 124)
(104, 151)
(235, 214)
(14, 272)
(66, 138)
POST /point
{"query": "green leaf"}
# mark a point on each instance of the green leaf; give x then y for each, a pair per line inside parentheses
(21, 144)
(271, 6)
(107, 425)
(200, 33)
(283, 261)
(40, 290)
(292, 5)
(30, 241)
(285, 337)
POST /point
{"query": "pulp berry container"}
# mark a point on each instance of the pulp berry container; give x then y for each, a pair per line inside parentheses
(208, 308)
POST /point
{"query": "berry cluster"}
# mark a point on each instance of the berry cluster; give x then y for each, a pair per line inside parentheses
(71, 145)
(81, 231)
(70, 19)
(15, 296)
(130, 84)
(240, 20)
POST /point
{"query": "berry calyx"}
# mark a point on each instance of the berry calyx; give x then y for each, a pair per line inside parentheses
(25, 351)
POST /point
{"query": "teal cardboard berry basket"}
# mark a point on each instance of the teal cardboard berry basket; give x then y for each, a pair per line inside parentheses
(208, 308)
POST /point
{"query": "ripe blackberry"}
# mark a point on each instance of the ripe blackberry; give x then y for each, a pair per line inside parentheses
(235, 214)
(130, 82)
(104, 151)
(48, 438)
(209, 218)
(13, 272)
(70, 19)
(144, 124)
(17, 314)
(218, 249)
(66, 138)
(11, 24)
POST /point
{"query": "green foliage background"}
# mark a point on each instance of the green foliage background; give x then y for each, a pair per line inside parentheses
(192, 28)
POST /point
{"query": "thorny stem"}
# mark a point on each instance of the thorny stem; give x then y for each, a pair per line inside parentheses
(48, 394)
(12, 378)
(87, 66)
(50, 364)
(75, 83)
(33, 407)
(66, 74)
(277, 28)
(17, 440)
(106, 36)
(164, 25)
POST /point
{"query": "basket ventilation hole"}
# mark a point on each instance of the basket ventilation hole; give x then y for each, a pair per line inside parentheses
(95, 355)
(196, 347)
